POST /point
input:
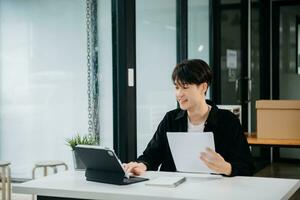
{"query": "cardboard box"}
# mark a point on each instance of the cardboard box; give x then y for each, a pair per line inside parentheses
(278, 119)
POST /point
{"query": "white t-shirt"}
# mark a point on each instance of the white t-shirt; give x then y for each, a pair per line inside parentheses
(195, 128)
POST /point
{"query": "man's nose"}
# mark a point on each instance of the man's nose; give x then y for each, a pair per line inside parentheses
(179, 93)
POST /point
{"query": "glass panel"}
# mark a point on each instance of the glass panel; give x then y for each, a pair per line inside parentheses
(198, 31)
(298, 43)
(155, 60)
(105, 73)
(230, 56)
(289, 79)
(230, 2)
(43, 96)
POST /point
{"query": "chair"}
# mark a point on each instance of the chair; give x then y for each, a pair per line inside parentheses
(6, 180)
(45, 164)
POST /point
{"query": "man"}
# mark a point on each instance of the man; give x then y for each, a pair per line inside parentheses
(232, 156)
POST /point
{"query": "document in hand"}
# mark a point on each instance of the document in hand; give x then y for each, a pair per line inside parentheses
(166, 181)
(186, 148)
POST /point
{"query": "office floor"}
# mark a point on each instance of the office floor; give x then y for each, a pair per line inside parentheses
(20, 197)
(278, 170)
(282, 170)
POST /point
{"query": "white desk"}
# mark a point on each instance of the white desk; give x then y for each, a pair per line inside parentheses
(72, 184)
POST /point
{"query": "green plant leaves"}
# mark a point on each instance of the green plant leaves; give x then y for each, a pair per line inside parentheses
(90, 139)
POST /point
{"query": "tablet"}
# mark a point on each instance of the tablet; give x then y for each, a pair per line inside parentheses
(103, 165)
(186, 148)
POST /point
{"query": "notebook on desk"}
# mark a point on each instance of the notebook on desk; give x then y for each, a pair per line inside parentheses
(186, 148)
(166, 181)
(103, 165)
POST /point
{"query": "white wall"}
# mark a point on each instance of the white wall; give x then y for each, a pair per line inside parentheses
(42, 80)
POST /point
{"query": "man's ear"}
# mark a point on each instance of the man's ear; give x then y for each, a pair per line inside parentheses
(204, 87)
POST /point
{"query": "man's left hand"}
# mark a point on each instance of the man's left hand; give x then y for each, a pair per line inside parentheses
(215, 162)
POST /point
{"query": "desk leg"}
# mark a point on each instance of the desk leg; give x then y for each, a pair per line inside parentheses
(274, 154)
(271, 155)
(54, 198)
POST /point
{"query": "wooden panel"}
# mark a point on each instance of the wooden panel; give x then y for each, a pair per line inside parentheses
(253, 140)
(278, 104)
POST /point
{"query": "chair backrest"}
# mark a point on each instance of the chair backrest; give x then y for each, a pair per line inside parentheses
(235, 109)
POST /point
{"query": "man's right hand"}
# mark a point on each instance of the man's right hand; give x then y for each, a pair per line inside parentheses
(135, 168)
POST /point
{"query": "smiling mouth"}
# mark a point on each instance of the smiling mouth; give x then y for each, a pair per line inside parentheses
(182, 100)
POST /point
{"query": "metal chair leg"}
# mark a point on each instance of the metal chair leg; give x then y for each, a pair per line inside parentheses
(54, 169)
(45, 171)
(3, 178)
(9, 183)
(33, 177)
(66, 166)
(33, 172)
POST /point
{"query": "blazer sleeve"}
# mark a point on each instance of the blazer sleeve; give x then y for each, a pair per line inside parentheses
(153, 154)
(241, 160)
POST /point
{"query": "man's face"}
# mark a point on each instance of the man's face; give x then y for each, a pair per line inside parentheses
(190, 95)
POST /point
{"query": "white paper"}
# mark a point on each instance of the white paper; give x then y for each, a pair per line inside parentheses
(186, 149)
(231, 59)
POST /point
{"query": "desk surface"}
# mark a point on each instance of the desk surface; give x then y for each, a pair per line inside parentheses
(72, 184)
(253, 140)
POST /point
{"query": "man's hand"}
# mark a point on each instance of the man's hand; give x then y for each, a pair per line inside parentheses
(135, 168)
(215, 162)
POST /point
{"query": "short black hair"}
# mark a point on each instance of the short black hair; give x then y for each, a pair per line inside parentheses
(194, 71)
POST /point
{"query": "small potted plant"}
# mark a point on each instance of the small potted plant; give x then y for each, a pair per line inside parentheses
(90, 139)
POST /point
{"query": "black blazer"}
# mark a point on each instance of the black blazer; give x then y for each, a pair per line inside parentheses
(230, 142)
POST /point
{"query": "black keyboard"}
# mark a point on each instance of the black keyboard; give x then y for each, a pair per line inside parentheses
(133, 179)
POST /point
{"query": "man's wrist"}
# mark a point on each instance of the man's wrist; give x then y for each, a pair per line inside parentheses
(228, 169)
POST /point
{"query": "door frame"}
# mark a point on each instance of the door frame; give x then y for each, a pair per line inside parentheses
(276, 5)
(264, 62)
(215, 55)
(124, 58)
